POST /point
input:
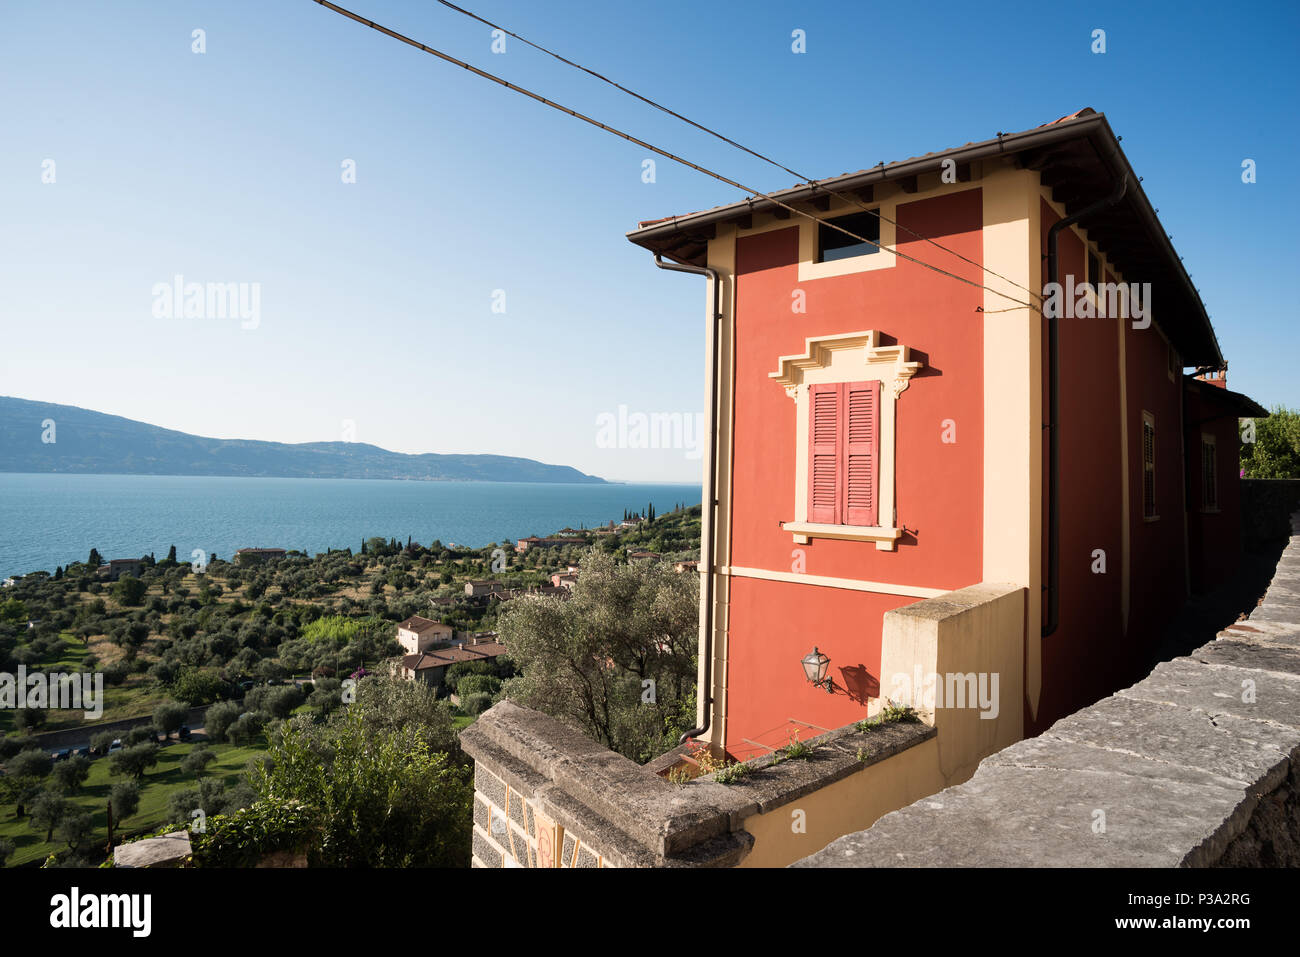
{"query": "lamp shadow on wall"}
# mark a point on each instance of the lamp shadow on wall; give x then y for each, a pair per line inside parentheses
(859, 683)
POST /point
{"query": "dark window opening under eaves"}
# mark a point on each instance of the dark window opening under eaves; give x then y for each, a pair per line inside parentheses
(833, 245)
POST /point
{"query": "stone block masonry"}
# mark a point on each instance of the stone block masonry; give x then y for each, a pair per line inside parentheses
(1197, 765)
(547, 796)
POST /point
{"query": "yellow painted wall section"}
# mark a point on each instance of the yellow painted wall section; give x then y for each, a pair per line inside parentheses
(939, 656)
(1013, 416)
(977, 631)
(850, 804)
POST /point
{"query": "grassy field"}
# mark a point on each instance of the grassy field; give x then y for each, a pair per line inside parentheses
(159, 784)
(131, 699)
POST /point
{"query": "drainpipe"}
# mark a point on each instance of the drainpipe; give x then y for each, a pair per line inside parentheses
(709, 491)
(1054, 399)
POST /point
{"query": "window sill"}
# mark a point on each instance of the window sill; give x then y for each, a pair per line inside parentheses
(1150, 518)
(1210, 510)
(883, 537)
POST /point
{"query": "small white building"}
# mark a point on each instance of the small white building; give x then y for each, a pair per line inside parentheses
(416, 635)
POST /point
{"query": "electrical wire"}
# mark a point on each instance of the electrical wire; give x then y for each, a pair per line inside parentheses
(754, 193)
(740, 146)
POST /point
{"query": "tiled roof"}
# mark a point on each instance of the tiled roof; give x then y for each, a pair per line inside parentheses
(482, 651)
(830, 181)
(420, 625)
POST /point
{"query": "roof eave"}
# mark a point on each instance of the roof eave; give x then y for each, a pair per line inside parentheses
(662, 237)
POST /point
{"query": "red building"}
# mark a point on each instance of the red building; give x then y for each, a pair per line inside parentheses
(904, 406)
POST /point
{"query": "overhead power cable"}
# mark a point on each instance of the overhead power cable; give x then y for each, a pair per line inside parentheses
(740, 146)
(754, 193)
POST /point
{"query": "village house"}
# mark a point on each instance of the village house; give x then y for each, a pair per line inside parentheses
(418, 634)
(564, 580)
(506, 594)
(532, 541)
(641, 555)
(888, 433)
(118, 567)
(971, 459)
(478, 588)
(431, 666)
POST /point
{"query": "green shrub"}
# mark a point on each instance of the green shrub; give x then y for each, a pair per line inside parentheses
(243, 838)
(137, 735)
(129, 590)
(246, 728)
(218, 719)
(125, 799)
(476, 684)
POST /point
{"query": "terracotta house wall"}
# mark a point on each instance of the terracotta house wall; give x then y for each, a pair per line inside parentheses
(772, 624)
(1100, 644)
(1158, 550)
(1214, 538)
(1082, 659)
(1120, 574)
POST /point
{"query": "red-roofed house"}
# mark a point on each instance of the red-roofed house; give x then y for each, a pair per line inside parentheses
(936, 402)
(418, 634)
(431, 666)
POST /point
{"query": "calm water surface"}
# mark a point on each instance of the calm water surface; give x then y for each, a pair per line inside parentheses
(50, 520)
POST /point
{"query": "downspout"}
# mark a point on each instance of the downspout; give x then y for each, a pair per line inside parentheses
(711, 500)
(1054, 400)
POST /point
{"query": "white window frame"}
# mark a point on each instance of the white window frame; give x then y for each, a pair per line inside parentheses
(1211, 441)
(1149, 418)
(850, 357)
(882, 258)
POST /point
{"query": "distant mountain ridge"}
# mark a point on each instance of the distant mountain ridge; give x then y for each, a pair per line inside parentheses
(93, 442)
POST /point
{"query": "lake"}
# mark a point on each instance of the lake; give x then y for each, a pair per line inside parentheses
(50, 520)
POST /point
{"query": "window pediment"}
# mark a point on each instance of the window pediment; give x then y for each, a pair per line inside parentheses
(847, 357)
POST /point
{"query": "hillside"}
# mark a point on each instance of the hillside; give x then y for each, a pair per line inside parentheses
(92, 442)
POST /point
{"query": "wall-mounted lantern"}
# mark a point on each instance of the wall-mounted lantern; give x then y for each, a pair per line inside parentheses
(814, 669)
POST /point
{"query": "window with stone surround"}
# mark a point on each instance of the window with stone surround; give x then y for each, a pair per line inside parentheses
(846, 390)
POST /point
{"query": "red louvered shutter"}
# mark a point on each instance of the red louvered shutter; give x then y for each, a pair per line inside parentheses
(861, 452)
(824, 454)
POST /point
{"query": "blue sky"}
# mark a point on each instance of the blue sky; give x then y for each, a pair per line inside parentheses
(376, 297)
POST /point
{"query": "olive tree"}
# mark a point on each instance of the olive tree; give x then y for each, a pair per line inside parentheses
(71, 774)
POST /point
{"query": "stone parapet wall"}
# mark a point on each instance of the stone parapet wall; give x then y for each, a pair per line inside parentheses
(547, 796)
(1194, 766)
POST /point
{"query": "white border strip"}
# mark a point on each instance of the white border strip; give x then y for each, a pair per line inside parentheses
(852, 584)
